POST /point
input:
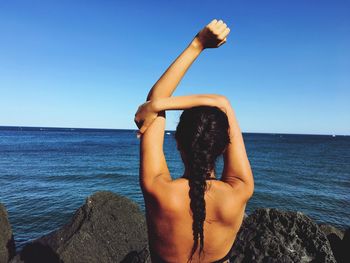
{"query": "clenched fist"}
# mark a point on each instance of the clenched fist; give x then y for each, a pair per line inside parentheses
(212, 35)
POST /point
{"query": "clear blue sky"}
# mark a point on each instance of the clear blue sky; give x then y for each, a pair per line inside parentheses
(285, 66)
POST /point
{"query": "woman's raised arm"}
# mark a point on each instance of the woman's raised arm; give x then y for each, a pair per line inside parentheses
(152, 160)
(212, 35)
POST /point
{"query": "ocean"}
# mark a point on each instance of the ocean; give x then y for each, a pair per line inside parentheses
(47, 173)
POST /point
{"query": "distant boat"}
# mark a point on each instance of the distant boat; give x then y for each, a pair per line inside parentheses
(333, 135)
(168, 133)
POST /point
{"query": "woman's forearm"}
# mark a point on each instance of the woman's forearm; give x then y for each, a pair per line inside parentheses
(186, 102)
(168, 82)
(212, 35)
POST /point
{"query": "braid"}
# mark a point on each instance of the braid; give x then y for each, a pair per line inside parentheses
(199, 168)
(202, 135)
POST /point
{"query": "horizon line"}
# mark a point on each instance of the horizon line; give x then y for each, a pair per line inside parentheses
(126, 129)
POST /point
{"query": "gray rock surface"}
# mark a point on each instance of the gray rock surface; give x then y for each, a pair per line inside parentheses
(142, 256)
(329, 230)
(344, 250)
(107, 228)
(335, 237)
(271, 235)
(7, 243)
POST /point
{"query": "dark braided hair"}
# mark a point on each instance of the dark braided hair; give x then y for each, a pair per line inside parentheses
(201, 135)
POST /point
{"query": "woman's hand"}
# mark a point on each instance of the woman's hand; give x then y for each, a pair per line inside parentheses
(145, 115)
(212, 35)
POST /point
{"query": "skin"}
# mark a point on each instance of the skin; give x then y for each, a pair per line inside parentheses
(167, 202)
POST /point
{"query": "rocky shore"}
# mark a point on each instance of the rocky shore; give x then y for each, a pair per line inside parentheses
(112, 228)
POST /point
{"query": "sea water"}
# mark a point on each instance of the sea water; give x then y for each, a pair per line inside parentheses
(47, 173)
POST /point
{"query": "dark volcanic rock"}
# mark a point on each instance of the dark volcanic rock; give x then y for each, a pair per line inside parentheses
(37, 253)
(106, 229)
(329, 230)
(142, 256)
(7, 243)
(270, 235)
(335, 237)
(340, 242)
(344, 255)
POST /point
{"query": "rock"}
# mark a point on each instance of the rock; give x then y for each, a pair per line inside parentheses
(328, 229)
(7, 243)
(37, 253)
(107, 228)
(270, 235)
(344, 256)
(334, 237)
(138, 257)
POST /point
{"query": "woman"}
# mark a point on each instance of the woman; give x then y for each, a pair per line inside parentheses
(196, 217)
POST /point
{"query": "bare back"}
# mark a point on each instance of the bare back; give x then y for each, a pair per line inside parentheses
(170, 220)
(167, 201)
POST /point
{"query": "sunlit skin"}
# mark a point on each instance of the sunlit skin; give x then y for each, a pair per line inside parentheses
(167, 202)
